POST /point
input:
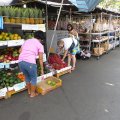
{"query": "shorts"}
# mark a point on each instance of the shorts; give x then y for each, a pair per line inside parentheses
(75, 50)
(30, 71)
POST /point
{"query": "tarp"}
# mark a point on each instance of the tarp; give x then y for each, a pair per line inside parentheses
(7, 2)
(85, 5)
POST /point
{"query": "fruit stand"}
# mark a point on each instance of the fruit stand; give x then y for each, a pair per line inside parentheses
(15, 22)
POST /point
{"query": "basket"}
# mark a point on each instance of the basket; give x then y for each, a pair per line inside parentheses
(98, 51)
(43, 87)
(105, 46)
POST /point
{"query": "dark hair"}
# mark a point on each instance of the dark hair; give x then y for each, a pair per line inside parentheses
(39, 35)
(69, 25)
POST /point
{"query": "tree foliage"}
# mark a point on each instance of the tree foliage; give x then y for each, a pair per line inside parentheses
(113, 5)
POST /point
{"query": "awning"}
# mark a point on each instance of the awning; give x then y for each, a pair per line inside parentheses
(85, 5)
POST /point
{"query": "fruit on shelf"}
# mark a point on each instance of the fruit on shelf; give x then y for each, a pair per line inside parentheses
(9, 54)
(8, 78)
(28, 35)
(9, 36)
(21, 76)
(22, 15)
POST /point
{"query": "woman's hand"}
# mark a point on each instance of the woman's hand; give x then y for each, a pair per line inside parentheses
(65, 54)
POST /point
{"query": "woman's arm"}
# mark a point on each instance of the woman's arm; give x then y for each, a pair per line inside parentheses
(65, 54)
(20, 50)
(41, 62)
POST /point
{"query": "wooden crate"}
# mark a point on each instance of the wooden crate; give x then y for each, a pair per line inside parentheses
(17, 88)
(44, 88)
(62, 72)
(12, 92)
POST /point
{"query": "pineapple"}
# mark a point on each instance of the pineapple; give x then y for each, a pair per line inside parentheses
(12, 15)
(23, 16)
(36, 14)
(31, 11)
(40, 17)
(6, 13)
(18, 15)
(27, 16)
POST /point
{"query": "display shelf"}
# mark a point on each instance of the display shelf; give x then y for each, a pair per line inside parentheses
(84, 40)
(3, 43)
(12, 43)
(98, 41)
(101, 33)
(4, 64)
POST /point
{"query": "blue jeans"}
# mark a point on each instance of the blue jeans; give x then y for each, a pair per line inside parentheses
(30, 71)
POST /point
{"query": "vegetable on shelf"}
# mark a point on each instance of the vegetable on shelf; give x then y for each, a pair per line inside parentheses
(8, 78)
(46, 69)
(56, 62)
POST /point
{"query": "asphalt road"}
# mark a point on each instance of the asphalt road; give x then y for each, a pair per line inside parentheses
(91, 92)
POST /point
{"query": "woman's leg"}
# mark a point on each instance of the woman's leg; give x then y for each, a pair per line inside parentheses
(74, 61)
(69, 59)
(33, 77)
(23, 65)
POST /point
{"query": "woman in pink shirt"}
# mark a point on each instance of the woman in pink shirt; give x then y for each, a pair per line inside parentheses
(27, 60)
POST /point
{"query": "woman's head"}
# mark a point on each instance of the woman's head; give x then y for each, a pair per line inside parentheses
(69, 27)
(60, 43)
(39, 35)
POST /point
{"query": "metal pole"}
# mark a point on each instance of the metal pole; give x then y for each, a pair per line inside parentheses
(46, 19)
(55, 27)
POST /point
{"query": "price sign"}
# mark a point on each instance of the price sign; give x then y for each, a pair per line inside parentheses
(1, 65)
(7, 65)
(3, 92)
(1, 22)
(33, 27)
(19, 86)
(2, 43)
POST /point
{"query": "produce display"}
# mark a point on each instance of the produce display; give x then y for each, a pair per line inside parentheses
(56, 62)
(46, 69)
(51, 83)
(28, 35)
(21, 15)
(8, 79)
(9, 36)
(9, 54)
(21, 76)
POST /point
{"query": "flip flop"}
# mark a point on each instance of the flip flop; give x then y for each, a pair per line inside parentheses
(32, 96)
(73, 68)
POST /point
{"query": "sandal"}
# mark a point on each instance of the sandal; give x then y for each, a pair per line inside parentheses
(35, 94)
(73, 68)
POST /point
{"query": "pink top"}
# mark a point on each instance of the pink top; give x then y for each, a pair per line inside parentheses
(30, 50)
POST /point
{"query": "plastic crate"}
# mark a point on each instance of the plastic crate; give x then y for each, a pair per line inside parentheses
(43, 87)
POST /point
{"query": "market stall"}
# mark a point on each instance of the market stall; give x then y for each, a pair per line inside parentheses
(17, 25)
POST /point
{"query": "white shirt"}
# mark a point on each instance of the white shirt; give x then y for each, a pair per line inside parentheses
(68, 42)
